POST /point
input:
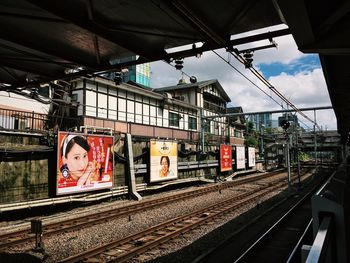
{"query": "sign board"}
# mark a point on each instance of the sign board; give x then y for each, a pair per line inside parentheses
(163, 160)
(84, 162)
(251, 156)
(240, 157)
(225, 158)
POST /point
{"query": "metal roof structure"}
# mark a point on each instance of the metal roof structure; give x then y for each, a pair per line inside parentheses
(43, 40)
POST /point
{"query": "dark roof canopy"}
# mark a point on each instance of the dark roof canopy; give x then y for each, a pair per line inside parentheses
(44, 40)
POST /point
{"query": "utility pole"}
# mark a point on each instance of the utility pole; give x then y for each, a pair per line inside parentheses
(285, 125)
(262, 139)
(315, 141)
(288, 162)
(298, 161)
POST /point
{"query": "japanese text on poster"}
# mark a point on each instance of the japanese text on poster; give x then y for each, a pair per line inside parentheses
(163, 160)
(84, 163)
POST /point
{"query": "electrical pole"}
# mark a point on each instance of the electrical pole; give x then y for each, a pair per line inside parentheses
(298, 161)
(285, 125)
(315, 141)
(288, 162)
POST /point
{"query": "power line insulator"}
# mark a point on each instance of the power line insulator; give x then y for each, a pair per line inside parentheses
(248, 59)
(179, 64)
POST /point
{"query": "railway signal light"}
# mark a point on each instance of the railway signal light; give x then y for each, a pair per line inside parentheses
(285, 124)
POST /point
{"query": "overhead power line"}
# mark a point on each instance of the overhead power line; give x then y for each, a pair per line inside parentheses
(229, 63)
(244, 76)
(273, 89)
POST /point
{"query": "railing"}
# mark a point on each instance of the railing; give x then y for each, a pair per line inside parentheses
(329, 221)
(25, 121)
(182, 166)
(21, 120)
(321, 250)
(32, 122)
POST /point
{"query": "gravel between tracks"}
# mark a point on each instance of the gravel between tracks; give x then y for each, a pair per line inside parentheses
(63, 245)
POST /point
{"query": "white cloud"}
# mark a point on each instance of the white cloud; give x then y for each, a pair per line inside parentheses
(304, 90)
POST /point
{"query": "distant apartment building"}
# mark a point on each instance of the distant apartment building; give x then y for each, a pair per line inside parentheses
(262, 120)
(140, 73)
(292, 118)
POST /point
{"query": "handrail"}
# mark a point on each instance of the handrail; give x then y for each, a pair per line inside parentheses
(321, 246)
(329, 201)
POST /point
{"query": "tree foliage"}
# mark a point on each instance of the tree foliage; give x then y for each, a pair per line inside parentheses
(251, 141)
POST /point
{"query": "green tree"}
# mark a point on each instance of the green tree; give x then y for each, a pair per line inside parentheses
(250, 127)
(251, 141)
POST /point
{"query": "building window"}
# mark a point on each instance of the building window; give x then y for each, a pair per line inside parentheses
(192, 123)
(238, 133)
(207, 125)
(174, 119)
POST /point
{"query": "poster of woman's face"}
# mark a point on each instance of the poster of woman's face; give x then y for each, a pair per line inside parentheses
(84, 162)
(163, 160)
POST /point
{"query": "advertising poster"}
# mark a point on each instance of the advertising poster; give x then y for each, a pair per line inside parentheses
(251, 156)
(163, 160)
(84, 162)
(240, 157)
(225, 158)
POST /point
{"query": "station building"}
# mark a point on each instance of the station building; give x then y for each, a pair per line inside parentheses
(174, 112)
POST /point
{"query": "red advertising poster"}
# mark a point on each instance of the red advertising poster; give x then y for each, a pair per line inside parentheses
(225, 158)
(84, 162)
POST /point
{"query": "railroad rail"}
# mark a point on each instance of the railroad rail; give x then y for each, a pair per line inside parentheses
(22, 236)
(282, 237)
(289, 228)
(128, 247)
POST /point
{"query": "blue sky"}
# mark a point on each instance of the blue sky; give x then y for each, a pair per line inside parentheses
(303, 64)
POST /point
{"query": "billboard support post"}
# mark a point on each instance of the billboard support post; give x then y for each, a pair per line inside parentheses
(131, 169)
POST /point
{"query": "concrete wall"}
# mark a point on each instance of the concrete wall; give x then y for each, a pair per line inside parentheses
(24, 179)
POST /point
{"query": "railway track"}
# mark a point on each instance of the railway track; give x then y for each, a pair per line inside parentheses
(22, 236)
(276, 234)
(277, 243)
(128, 247)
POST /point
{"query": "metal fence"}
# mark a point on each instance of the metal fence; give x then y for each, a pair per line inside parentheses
(16, 120)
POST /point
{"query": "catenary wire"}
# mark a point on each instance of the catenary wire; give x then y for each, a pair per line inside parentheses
(238, 58)
(273, 89)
